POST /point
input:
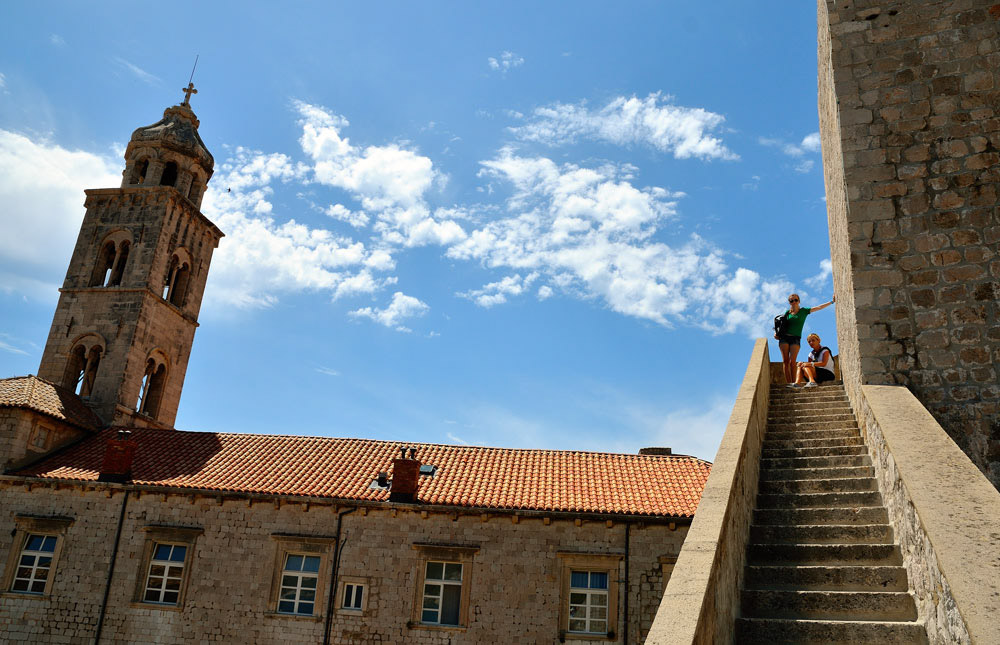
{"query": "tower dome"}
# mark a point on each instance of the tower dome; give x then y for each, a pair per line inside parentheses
(170, 152)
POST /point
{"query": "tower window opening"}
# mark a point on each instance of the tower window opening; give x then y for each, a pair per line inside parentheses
(177, 281)
(151, 391)
(115, 278)
(169, 176)
(81, 370)
(193, 190)
(139, 172)
(105, 265)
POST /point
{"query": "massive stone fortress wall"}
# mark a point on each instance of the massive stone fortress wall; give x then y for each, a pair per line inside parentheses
(909, 101)
(514, 572)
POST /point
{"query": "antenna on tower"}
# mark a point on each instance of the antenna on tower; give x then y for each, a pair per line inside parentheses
(194, 67)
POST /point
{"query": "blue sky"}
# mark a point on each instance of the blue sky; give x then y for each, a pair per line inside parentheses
(543, 225)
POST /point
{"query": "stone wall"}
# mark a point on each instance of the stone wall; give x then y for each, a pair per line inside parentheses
(944, 512)
(909, 94)
(514, 578)
(26, 435)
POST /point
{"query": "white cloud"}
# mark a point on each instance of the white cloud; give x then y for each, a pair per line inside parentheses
(821, 279)
(390, 181)
(261, 257)
(804, 166)
(810, 143)
(591, 234)
(41, 189)
(457, 439)
(328, 371)
(495, 293)
(138, 72)
(653, 121)
(56, 40)
(3, 82)
(340, 212)
(401, 308)
(506, 61)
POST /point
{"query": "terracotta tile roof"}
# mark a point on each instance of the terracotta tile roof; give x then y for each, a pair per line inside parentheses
(48, 398)
(489, 478)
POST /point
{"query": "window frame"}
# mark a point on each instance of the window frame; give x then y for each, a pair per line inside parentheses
(185, 536)
(24, 527)
(448, 553)
(355, 582)
(607, 563)
(308, 545)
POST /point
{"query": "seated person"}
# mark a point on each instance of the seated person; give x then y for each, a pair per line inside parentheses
(819, 368)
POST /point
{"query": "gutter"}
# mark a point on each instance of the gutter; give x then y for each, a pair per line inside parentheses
(111, 571)
(337, 548)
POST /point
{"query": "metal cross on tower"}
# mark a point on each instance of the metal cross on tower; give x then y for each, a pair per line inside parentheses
(188, 91)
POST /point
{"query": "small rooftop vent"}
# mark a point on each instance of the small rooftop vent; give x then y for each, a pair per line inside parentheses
(656, 450)
(428, 469)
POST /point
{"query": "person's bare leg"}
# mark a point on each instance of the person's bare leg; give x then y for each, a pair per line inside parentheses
(784, 362)
(810, 372)
(790, 362)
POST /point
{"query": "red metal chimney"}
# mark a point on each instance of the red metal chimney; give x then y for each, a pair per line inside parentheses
(118, 456)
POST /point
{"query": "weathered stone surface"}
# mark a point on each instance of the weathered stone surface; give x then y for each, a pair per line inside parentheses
(928, 74)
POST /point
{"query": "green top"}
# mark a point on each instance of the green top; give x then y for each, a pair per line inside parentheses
(797, 320)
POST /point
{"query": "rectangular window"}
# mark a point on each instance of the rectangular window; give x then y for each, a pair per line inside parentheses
(166, 573)
(34, 564)
(442, 593)
(354, 595)
(298, 584)
(588, 602)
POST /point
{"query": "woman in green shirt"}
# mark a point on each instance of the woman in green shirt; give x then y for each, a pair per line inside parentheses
(789, 342)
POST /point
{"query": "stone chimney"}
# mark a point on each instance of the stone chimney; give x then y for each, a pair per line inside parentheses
(118, 456)
(405, 477)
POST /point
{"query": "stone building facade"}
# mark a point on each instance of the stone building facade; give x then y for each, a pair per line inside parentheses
(909, 103)
(116, 528)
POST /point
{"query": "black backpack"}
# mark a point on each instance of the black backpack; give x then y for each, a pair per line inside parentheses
(781, 324)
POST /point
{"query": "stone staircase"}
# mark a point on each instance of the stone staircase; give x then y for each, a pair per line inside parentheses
(822, 563)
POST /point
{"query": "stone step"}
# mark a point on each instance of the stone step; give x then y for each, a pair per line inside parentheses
(797, 416)
(849, 499)
(817, 393)
(782, 444)
(821, 534)
(831, 472)
(799, 403)
(799, 452)
(815, 462)
(828, 605)
(883, 555)
(788, 433)
(814, 516)
(839, 485)
(772, 631)
(812, 425)
(817, 578)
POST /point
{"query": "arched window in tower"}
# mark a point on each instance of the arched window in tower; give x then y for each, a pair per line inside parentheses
(104, 266)
(194, 189)
(151, 392)
(81, 369)
(115, 278)
(139, 171)
(169, 176)
(178, 274)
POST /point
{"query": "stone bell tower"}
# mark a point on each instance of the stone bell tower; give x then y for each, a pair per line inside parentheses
(128, 309)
